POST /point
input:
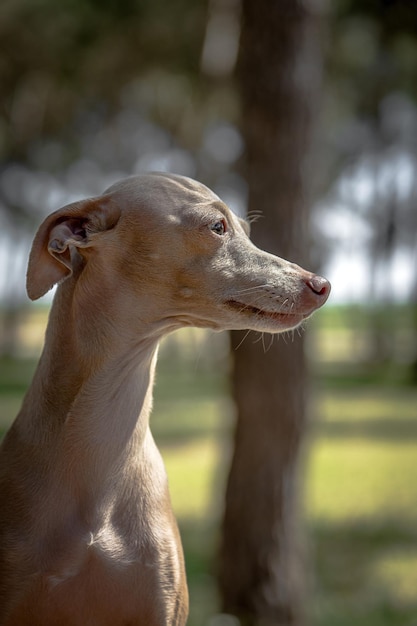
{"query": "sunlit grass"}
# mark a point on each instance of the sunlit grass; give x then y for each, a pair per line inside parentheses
(394, 574)
(356, 479)
(191, 469)
(361, 504)
(363, 404)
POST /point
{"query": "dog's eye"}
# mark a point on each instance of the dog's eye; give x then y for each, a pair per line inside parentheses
(219, 227)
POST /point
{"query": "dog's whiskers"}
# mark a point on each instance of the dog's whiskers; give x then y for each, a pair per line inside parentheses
(254, 216)
(259, 338)
(242, 340)
(270, 342)
(251, 289)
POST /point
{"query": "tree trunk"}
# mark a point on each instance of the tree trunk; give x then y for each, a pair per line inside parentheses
(260, 579)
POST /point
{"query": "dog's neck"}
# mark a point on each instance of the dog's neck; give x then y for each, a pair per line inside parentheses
(92, 405)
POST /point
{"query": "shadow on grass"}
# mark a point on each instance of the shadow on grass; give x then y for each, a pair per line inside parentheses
(16, 374)
(189, 405)
(359, 375)
(366, 573)
(346, 561)
(199, 539)
(396, 429)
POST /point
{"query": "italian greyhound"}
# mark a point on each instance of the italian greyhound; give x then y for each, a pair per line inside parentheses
(87, 532)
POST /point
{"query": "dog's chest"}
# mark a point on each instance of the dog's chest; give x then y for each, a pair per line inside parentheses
(103, 584)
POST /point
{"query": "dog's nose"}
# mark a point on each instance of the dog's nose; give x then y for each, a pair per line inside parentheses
(319, 285)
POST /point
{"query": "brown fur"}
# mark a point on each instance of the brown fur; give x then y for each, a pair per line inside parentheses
(87, 534)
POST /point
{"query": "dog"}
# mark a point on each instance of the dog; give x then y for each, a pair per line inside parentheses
(87, 532)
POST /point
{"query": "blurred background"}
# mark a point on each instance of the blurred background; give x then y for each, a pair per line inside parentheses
(92, 91)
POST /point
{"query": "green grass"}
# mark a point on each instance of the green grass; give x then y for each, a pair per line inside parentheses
(361, 504)
(360, 484)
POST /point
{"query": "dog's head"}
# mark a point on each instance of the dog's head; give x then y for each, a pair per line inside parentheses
(174, 254)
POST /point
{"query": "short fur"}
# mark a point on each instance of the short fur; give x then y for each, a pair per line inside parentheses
(87, 533)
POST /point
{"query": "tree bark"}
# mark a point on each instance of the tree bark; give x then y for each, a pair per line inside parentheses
(260, 569)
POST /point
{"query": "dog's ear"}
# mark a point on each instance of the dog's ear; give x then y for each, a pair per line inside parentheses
(72, 227)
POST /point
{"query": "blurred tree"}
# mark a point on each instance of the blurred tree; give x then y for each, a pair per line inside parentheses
(59, 59)
(261, 565)
(370, 121)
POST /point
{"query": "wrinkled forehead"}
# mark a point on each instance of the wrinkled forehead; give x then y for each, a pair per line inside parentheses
(161, 192)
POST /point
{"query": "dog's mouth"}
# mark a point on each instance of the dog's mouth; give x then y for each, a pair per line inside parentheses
(283, 318)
